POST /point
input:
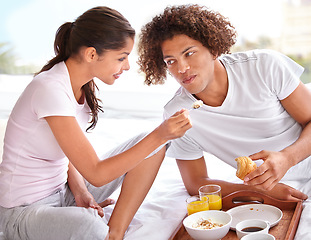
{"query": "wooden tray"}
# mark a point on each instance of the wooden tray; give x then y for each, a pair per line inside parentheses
(284, 230)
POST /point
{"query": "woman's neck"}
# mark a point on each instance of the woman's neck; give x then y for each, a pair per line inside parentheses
(78, 77)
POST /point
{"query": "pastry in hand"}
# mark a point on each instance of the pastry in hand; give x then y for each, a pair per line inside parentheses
(245, 166)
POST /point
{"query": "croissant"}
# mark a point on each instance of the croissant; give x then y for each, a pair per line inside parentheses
(245, 165)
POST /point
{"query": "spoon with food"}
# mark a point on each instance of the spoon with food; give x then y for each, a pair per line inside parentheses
(197, 104)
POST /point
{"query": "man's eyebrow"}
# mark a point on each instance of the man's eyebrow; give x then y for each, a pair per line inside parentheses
(188, 48)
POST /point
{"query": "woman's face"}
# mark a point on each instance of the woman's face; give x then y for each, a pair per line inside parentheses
(190, 63)
(111, 64)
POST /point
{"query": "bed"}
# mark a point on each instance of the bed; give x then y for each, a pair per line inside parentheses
(164, 206)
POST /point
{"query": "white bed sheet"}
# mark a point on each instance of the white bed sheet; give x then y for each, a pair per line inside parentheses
(164, 208)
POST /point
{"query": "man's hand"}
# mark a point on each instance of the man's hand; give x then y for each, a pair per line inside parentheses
(287, 193)
(266, 176)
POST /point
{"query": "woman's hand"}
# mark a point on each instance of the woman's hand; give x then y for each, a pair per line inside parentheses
(86, 200)
(267, 175)
(175, 126)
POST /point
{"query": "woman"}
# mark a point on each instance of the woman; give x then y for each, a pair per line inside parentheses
(254, 103)
(44, 139)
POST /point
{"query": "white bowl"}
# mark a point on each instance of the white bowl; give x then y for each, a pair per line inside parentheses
(264, 225)
(208, 234)
(258, 236)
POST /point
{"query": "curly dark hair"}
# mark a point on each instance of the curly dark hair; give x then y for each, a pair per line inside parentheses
(210, 28)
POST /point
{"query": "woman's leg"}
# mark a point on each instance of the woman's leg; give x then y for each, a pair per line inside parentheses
(135, 187)
(100, 194)
(49, 220)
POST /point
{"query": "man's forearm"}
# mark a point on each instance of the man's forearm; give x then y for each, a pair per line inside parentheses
(300, 149)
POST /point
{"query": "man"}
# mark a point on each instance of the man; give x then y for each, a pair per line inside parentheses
(254, 103)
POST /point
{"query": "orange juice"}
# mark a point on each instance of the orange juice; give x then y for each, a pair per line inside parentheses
(197, 206)
(215, 202)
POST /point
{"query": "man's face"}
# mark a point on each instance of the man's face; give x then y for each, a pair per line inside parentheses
(190, 63)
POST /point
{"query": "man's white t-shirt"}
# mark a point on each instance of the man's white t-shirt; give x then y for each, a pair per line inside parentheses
(34, 166)
(251, 117)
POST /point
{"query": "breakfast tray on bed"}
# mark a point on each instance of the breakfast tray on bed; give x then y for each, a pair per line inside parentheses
(284, 230)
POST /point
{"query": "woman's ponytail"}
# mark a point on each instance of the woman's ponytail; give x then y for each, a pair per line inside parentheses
(61, 46)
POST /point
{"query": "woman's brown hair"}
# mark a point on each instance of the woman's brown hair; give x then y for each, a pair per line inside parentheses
(210, 28)
(102, 28)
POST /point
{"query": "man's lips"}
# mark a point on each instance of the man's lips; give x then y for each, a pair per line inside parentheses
(189, 79)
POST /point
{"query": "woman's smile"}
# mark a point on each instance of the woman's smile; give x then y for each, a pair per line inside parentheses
(117, 75)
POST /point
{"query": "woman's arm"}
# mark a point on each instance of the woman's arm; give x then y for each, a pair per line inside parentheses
(82, 196)
(276, 164)
(81, 154)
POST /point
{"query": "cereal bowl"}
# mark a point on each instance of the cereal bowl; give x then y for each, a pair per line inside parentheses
(214, 217)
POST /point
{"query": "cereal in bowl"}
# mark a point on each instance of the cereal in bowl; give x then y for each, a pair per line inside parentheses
(206, 224)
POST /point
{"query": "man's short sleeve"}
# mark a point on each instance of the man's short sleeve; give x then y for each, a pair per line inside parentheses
(285, 73)
(184, 149)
